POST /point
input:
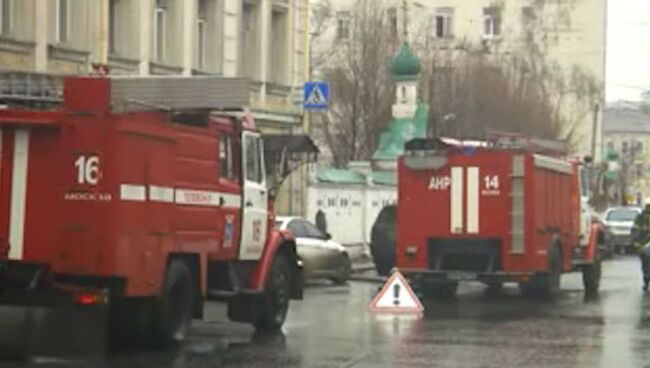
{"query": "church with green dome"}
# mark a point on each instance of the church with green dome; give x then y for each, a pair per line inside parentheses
(351, 198)
(410, 116)
(405, 65)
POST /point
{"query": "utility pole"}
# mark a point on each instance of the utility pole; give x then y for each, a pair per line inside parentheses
(405, 20)
(594, 132)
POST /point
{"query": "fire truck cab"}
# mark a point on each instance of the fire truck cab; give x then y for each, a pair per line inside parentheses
(509, 209)
(144, 198)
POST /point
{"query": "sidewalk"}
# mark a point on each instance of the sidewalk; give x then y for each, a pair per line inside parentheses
(363, 269)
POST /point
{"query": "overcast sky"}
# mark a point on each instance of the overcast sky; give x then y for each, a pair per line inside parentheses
(628, 49)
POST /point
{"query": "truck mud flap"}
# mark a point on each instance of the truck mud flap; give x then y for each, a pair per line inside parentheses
(53, 331)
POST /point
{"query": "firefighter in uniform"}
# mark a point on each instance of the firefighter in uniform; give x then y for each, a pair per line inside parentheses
(641, 236)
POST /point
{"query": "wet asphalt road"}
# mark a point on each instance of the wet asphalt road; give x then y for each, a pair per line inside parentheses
(332, 327)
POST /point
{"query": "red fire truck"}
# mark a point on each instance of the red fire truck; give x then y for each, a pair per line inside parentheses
(506, 210)
(141, 197)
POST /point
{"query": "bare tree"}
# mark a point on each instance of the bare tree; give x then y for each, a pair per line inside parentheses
(473, 88)
(362, 90)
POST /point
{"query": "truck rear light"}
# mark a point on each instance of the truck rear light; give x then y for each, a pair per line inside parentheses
(411, 250)
(95, 298)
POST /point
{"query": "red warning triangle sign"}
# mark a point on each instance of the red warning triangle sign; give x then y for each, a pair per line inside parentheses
(396, 297)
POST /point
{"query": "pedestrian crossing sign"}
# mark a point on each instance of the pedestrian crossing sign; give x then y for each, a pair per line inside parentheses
(396, 297)
(316, 96)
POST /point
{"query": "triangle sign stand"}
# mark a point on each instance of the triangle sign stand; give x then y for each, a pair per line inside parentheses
(396, 297)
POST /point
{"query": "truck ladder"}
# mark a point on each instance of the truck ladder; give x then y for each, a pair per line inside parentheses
(30, 89)
(130, 93)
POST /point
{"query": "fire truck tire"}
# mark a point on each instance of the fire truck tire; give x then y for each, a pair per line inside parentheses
(383, 240)
(591, 275)
(173, 310)
(546, 284)
(274, 304)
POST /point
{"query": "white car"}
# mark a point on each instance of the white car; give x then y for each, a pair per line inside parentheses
(618, 223)
(321, 256)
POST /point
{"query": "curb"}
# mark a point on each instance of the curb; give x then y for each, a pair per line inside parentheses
(363, 267)
(369, 278)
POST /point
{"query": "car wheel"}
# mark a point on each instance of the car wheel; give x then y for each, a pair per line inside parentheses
(344, 271)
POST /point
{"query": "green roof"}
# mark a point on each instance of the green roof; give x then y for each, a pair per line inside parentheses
(405, 64)
(350, 177)
(339, 176)
(399, 131)
(385, 178)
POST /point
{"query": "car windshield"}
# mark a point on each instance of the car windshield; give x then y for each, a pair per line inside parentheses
(622, 215)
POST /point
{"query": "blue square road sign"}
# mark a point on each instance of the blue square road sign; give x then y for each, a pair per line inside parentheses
(316, 96)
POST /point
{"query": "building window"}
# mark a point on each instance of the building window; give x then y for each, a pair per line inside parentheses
(610, 145)
(344, 202)
(249, 40)
(5, 16)
(491, 22)
(200, 33)
(331, 202)
(528, 18)
(393, 22)
(62, 18)
(159, 31)
(112, 25)
(443, 23)
(279, 39)
(528, 15)
(343, 25)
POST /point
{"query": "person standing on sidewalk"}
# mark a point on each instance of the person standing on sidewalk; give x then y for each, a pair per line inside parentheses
(641, 236)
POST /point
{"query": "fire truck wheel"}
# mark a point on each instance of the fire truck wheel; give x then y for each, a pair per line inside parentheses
(383, 240)
(547, 284)
(275, 301)
(554, 271)
(591, 275)
(173, 311)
